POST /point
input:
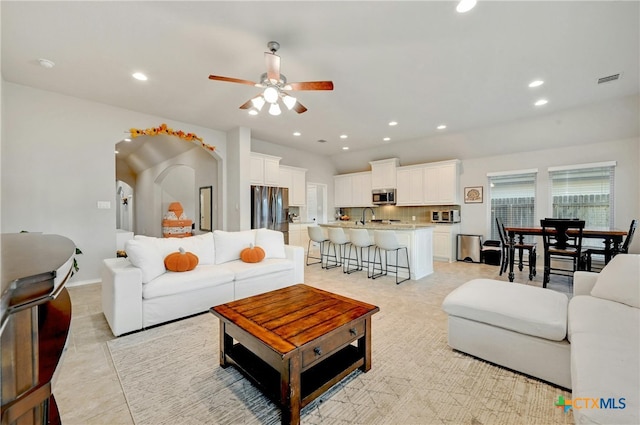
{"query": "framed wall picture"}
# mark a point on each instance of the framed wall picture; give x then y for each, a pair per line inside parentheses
(473, 195)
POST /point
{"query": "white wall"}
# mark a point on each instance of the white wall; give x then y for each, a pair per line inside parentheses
(57, 162)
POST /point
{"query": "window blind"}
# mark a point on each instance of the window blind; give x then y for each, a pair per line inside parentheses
(513, 200)
(584, 193)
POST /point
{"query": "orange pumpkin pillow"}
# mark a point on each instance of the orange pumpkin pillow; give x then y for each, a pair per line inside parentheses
(253, 254)
(181, 261)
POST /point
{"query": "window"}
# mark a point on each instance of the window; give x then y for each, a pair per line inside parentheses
(584, 192)
(513, 199)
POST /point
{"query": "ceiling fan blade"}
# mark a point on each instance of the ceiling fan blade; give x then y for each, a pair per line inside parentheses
(248, 104)
(232, 80)
(299, 108)
(310, 85)
(273, 66)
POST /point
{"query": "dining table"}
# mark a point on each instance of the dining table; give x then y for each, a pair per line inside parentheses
(611, 238)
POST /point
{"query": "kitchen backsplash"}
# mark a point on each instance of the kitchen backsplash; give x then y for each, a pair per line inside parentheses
(391, 212)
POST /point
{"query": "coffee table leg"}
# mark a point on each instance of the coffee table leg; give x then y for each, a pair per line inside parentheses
(290, 393)
(226, 342)
(364, 346)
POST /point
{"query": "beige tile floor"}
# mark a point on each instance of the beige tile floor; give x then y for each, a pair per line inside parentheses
(87, 388)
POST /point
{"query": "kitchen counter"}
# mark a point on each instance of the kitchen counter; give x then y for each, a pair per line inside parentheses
(417, 237)
(379, 226)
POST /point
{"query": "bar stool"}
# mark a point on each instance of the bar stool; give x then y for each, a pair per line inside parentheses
(317, 234)
(337, 238)
(386, 240)
(360, 239)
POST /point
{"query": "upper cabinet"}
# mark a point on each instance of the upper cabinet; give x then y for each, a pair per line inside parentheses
(383, 173)
(265, 169)
(294, 179)
(428, 184)
(441, 183)
(352, 190)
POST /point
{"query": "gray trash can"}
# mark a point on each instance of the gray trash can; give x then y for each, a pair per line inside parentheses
(470, 248)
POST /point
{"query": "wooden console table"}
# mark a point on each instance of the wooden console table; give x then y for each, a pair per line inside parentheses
(35, 314)
(295, 343)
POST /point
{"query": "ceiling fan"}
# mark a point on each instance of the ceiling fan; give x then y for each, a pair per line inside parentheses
(275, 86)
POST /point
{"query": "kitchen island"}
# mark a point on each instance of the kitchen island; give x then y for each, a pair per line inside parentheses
(417, 237)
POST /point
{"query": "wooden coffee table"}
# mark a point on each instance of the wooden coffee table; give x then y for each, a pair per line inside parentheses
(295, 343)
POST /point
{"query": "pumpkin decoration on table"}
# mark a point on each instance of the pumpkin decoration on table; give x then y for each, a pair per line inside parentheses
(181, 261)
(253, 254)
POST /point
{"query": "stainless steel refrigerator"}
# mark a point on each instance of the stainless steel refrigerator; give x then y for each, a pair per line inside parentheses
(270, 209)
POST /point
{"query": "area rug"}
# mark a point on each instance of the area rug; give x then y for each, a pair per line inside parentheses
(171, 374)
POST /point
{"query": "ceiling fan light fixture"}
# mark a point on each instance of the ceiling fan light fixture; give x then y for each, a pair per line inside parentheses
(465, 5)
(289, 101)
(271, 94)
(253, 111)
(274, 109)
(258, 102)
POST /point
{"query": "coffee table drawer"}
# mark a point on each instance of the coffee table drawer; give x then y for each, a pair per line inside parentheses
(326, 345)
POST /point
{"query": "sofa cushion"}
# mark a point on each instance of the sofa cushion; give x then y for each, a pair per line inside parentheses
(201, 245)
(230, 244)
(618, 281)
(202, 276)
(606, 366)
(145, 255)
(591, 314)
(243, 270)
(521, 308)
(272, 242)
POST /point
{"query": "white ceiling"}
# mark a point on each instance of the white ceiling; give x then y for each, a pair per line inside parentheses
(419, 63)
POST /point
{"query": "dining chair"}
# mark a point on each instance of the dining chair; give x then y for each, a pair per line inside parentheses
(520, 247)
(624, 249)
(562, 241)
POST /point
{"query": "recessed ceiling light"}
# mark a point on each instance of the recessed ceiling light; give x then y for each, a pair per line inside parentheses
(541, 102)
(536, 83)
(465, 5)
(46, 63)
(297, 133)
(345, 148)
(386, 139)
(116, 152)
(139, 76)
(343, 136)
(127, 140)
(392, 123)
(441, 127)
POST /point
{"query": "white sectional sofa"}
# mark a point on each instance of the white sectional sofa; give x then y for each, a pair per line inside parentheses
(138, 292)
(590, 344)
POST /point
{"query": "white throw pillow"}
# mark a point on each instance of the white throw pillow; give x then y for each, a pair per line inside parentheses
(144, 254)
(200, 245)
(229, 244)
(619, 280)
(272, 242)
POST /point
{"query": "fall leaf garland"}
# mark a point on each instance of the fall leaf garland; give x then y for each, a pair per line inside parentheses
(163, 129)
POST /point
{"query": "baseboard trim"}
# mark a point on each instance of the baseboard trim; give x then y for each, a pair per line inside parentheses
(82, 282)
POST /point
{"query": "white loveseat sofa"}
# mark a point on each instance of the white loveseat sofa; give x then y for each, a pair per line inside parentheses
(138, 292)
(590, 344)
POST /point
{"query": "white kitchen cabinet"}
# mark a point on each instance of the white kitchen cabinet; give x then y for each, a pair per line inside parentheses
(444, 242)
(410, 182)
(294, 179)
(383, 173)
(441, 183)
(265, 169)
(352, 190)
(299, 235)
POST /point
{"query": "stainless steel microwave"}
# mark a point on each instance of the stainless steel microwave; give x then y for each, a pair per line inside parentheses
(383, 197)
(445, 216)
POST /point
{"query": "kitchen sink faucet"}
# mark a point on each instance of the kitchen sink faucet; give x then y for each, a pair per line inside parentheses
(373, 214)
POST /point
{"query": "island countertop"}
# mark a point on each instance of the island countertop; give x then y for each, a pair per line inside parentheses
(378, 226)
